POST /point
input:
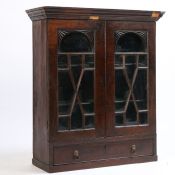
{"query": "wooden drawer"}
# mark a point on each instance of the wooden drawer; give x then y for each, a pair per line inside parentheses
(130, 148)
(77, 153)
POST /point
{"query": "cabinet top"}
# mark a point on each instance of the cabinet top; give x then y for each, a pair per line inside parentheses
(49, 12)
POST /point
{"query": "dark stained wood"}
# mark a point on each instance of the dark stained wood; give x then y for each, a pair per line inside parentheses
(105, 145)
(124, 149)
(86, 13)
(87, 152)
(40, 92)
(152, 77)
(103, 140)
(93, 164)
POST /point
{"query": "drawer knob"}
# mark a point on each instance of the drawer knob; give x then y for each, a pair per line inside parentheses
(133, 148)
(76, 154)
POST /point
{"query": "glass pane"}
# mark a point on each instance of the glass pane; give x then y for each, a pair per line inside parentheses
(119, 105)
(76, 118)
(143, 118)
(119, 119)
(75, 41)
(89, 121)
(64, 108)
(65, 91)
(130, 66)
(88, 107)
(121, 90)
(63, 123)
(86, 91)
(76, 60)
(130, 42)
(62, 61)
(131, 115)
(118, 61)
(140, 89)
(89, 61)
(76, 67)
(142, 60)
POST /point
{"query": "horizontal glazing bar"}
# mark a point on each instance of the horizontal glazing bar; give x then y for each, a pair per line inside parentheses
(128, 125)
(63, 115)
(66, 103)
(89, 69)
(143, 110)
(131, 53)
(67, 69)
(63, 69)
(82, 129)
(87, 102)
(63, 104)
(67, 115)
(130, 64)
(143, 67)
(76, 53)
(119, 68)
(121, 101)
(119, 112)
(89, 114)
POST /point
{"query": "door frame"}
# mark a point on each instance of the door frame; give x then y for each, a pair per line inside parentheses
(149, 129)
(52, 34)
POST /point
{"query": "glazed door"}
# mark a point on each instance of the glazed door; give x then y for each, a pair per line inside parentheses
(130, 78)
(77, 64)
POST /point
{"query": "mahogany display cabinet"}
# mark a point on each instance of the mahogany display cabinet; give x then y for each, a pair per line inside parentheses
(94, 99)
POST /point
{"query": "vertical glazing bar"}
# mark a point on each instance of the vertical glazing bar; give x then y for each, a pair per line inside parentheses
(124, 68)
(69, 70)
(81, 107)
(147, 87)
(127, 80)
(137, 111)
(124, 61)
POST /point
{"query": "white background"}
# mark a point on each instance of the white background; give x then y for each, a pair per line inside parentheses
(16, 87)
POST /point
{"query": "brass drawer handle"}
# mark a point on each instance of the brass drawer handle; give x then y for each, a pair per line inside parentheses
(133, 148)
(76, 154)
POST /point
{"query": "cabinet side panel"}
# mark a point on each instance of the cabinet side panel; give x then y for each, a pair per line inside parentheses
(40, 92)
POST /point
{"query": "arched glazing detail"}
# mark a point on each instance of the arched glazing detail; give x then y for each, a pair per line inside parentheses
(75, 41)
(130, 41)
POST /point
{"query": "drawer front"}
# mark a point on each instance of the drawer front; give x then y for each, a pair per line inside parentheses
(130, 148)
(78, 153)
